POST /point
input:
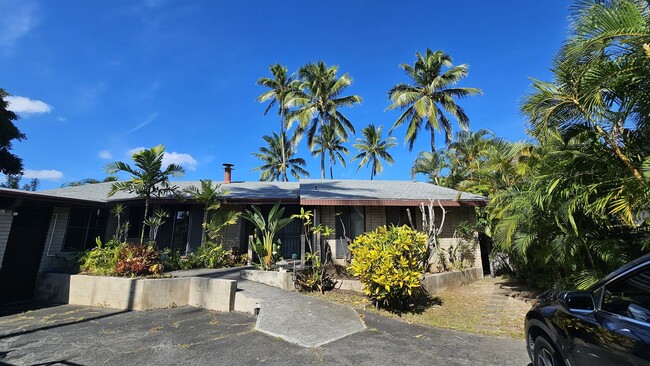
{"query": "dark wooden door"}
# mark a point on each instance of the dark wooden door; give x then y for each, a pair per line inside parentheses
(23, 254)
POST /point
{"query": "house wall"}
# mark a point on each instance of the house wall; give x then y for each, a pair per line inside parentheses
(327, 217)
(233, 235)
(5, 227)
(53, 259)
(375, 216)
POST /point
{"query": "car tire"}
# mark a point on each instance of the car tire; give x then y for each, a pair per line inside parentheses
(545, 354)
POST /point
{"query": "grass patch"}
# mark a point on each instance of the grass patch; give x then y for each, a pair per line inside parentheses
(490, 306)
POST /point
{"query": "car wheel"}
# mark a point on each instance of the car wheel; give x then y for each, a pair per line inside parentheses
(545, 354)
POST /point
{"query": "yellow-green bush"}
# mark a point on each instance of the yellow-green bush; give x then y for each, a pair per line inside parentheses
(389, 262)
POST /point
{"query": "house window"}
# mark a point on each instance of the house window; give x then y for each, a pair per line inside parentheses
(84, 226)
(350, 222)
(181, 229)
(398, 216)
(136, 215)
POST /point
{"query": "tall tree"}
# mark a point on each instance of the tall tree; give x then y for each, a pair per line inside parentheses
(373, 149)
(13, 181)
(83, 182)
(333, 146)
(271, 157)
(9, 163)
(148, 178)
(430, 96)
(210, 195)
(601, 77)
(430, 164)
(318, 102)
(280, 86)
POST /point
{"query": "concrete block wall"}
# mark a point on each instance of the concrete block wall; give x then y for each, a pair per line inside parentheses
(327, 217)
(232, 234)
(5, 227)
(53, 258)
(375, 217)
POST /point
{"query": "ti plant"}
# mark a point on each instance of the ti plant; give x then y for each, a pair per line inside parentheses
(154, 222)
(263, 244)
(316, 277)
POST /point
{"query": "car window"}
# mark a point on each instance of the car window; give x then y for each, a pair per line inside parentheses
(630, 297)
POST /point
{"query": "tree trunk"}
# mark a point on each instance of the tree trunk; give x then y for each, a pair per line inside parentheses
(433, 140)
(205, 223)
(617, 151)
(282, 137)
(146, 212)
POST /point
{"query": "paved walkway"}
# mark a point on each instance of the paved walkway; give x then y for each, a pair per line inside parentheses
(296, 318)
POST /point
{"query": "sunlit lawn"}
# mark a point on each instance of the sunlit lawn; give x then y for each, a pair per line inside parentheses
(489, 306)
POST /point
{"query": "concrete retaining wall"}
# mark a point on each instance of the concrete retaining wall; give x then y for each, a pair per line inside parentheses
(436, 282)
(432, 282)
(350, 285)
(281, 280)
(137, 293)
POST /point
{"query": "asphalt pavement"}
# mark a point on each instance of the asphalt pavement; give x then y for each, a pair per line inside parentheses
(74, 335)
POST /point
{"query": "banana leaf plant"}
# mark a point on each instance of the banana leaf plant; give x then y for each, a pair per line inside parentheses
(264, 245)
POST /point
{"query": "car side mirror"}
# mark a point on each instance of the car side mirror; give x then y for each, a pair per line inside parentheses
(578, 301)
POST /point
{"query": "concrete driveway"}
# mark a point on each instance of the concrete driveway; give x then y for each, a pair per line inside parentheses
(73, 335)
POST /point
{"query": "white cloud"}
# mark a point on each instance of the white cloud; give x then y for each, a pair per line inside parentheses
(60, 119)
(105, 154)
(19, 17)
(185, 160)
(25, 105)
(43, 174)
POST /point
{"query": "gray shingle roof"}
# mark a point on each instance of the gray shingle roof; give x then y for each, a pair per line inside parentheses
(239, 190)
(379, 189)
(308, 189)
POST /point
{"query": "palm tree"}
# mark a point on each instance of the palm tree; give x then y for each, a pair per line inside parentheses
(148, 178)
(280, 88)
(271, 156)
(430, 95)
(430, 164)
(332, 144)
(373, 149)
(209, 195)
(318, 102)
(83, 182)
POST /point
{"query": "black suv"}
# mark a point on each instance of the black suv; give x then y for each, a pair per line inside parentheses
(609, 324)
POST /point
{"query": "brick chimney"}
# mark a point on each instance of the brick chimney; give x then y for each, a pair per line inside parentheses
(227, 174)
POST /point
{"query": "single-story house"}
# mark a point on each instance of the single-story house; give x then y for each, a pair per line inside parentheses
(42, 231)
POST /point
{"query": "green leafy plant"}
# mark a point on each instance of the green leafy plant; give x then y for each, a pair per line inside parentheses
(102, 259)
(313, 277)
(148, 178)
(154, 222)
(264, 245)
(389, 263)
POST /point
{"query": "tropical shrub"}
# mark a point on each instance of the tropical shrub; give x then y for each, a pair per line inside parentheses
(102, 259)
(268, 227)
(209, 255)
(138, 260)
(389, 263)
(313, 277)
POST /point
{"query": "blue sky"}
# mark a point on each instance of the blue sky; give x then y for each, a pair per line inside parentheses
(101, 78)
